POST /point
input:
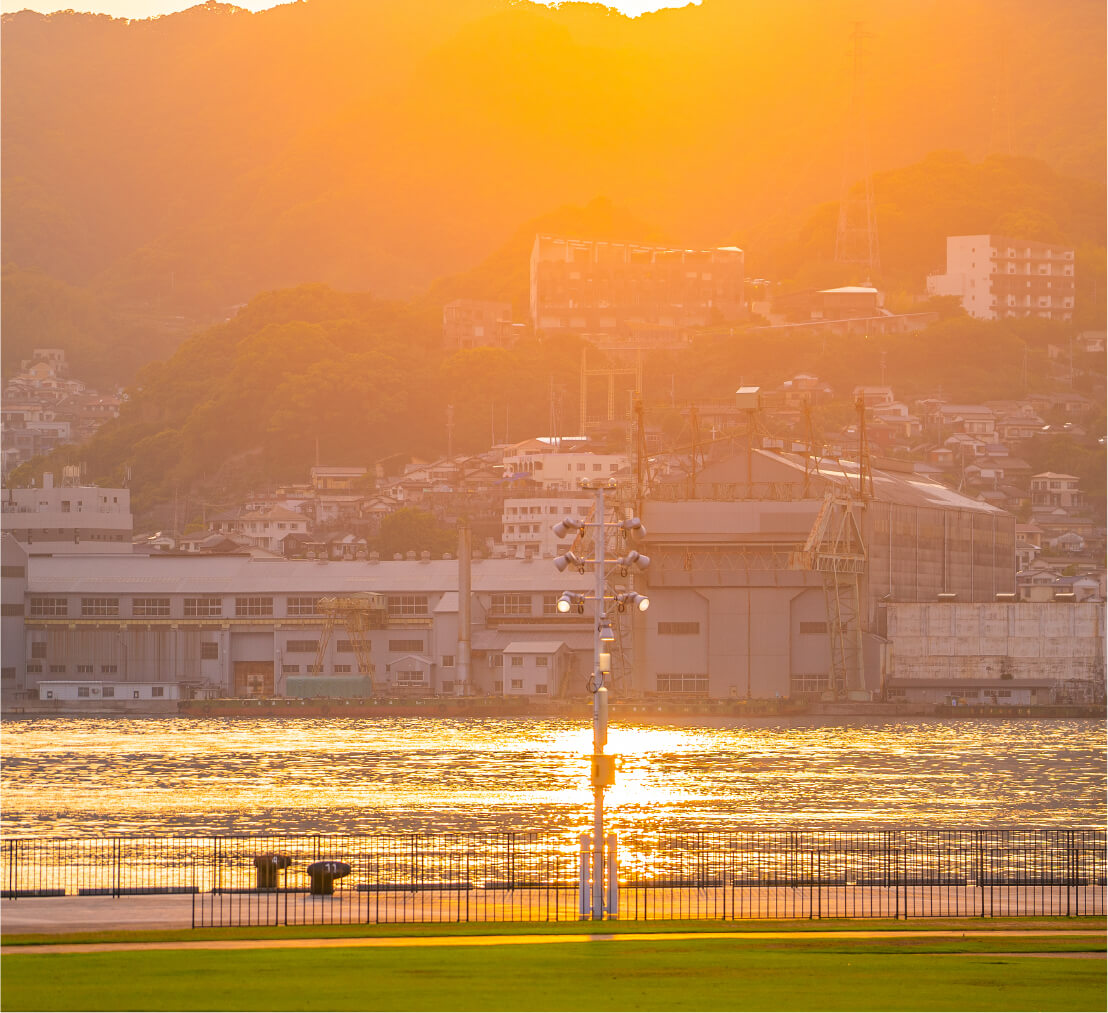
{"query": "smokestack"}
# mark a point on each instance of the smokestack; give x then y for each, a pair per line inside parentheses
(464, 560)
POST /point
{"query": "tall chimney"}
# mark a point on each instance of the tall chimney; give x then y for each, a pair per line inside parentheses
(464, 560)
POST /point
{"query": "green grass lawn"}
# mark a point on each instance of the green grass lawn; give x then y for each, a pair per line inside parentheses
(631, 974)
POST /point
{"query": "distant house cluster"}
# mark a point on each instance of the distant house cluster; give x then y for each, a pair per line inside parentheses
(45, 408)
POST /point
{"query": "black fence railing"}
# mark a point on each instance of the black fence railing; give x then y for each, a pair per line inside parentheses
(294, 879)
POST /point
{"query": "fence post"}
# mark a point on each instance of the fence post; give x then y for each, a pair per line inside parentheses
(613, 877)
(584, 893)
(115, 864)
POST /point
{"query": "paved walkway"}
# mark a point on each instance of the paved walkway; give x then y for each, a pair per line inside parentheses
(402, 942)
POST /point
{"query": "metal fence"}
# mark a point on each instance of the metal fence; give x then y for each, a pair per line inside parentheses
(298, 879)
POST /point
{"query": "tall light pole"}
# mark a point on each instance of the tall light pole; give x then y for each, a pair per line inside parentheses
(603, 765)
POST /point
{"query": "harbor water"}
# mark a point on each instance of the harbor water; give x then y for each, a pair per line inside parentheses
(184, 776)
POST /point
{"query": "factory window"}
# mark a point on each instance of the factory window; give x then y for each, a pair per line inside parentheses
(254, 606)
(813, 628)
(410, 678)
(290, 669)
(49, 606)
(157, 691)
(12, 610)
(99, 606)
(540, 687)
(682, 683)
(510, 605)
(38, 650)
(448, 661)
(7, 673)
(678, 629)
(341, 669)
(303, 606)
(517, 684)
(13, 571)
(498, 686)
(809, 683)
(203, 608)
(496, 661)
(82, 691)
(542, 662)
(209, 650)
(405, 645)
(407, 604)
(109, 669)
(150, 607)
(57, 669)
(34, 669)
(302, 646)
(344, 646)
(109, 691)
(517, 661)
(84, 669)
(135, 694)
(550, 605)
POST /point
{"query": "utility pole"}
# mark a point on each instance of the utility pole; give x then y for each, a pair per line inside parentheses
(603, 765)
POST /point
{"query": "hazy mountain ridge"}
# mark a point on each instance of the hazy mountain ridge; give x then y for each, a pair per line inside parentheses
(190, 161)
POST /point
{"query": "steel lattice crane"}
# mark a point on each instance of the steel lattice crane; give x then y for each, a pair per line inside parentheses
(357, 614)
(836, 549)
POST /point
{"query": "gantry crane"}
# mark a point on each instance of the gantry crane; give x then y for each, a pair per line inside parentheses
(836, 549)
(357, 613)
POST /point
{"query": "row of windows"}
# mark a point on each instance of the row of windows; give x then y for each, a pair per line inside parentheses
(682, 683)
(46, 607)
(498, 686)
(36, 669)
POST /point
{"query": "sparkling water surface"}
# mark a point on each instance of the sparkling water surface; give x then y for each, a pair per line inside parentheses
(178, 776)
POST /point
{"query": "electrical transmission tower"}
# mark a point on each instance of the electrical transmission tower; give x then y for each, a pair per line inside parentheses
(856, 239)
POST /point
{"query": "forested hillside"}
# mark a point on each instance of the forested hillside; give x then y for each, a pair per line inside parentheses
(310, 370)
(185, 163)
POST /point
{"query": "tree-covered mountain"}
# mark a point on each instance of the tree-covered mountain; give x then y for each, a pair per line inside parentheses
(310, 374)
(187, 162)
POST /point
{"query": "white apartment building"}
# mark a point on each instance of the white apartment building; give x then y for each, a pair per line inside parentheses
(998, 276)
(527, 523)
(68, 518)
(564, 472)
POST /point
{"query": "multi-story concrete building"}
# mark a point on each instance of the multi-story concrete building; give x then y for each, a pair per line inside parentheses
(632, 293)
(68, 518)
(998, 276)
(527, 523)
(1051, 489)
(561, 471)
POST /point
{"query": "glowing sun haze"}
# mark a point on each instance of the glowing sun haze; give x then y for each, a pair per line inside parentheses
(150, 8)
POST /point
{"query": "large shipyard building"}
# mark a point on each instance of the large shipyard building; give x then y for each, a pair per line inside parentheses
(772, 573)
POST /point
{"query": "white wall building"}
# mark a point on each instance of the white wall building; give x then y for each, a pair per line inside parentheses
(527, 523)
(562, 471)
(68, 518)
(998, 276)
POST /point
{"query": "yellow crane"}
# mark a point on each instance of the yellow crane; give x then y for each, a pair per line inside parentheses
(356, 613)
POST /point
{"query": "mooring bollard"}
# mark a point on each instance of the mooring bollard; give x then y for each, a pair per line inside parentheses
(267, 866)
(323, 876)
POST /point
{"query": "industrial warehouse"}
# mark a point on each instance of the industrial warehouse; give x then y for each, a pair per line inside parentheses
(772, 576)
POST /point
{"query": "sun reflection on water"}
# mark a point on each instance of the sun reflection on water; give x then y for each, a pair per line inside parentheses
(177, 776)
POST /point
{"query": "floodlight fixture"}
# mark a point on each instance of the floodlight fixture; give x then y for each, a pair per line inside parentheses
(567, 559)
(566, 525)
(635, 525)
(567, 599)
(635, 558)
(607, 634)
(629, 599)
